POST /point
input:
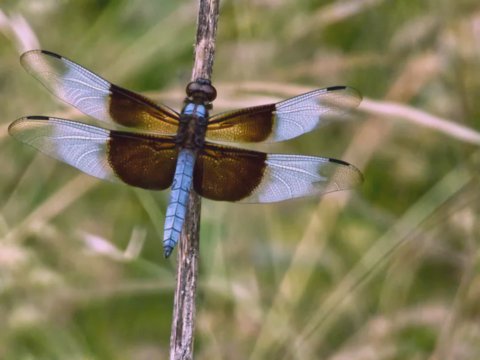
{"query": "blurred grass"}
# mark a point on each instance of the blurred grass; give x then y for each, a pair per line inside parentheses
(387, 271)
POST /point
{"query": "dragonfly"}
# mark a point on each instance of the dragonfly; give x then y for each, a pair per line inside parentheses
(151, 146)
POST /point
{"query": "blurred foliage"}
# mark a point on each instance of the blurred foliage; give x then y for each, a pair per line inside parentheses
(386, 271)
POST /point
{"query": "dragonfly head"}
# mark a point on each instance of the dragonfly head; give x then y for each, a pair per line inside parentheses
(201, 90)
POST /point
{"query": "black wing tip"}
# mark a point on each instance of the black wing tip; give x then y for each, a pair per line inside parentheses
(39, 51)
(47, 52)
(339, 161)
(13, 125)
(37, 117)
(344, 163)
(337, 87)
(354, 91)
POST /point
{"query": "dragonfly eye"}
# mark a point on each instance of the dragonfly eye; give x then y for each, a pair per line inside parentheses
(201, 88)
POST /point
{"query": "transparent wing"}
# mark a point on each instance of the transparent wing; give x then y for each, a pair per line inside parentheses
(95, 96)
(135, 159)
(240, 175)
(76, 144)
(292, 176)
(285, 120)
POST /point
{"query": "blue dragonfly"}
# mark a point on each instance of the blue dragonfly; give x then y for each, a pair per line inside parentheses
(153, 147)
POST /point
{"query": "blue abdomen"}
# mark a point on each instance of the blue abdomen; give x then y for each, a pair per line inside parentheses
(177, 207)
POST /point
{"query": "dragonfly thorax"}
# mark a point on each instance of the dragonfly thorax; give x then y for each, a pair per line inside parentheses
(194, 115)
(193, 126)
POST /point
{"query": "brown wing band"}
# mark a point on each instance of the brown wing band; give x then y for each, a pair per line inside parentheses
(253, 124)
(133, 110)
(142, 161)
(226, 173)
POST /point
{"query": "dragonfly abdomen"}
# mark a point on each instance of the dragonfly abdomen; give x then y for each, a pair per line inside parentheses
(177, 207)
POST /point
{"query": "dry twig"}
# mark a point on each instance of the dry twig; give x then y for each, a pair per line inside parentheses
(183, 322)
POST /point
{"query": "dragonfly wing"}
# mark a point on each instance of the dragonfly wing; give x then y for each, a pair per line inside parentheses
(239, 175)
(138, 160)
(95, 96)
(284, 120)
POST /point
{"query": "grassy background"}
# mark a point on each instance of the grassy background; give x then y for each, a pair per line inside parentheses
(387, 271)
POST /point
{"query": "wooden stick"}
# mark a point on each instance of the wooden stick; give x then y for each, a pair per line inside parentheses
(183, 322)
